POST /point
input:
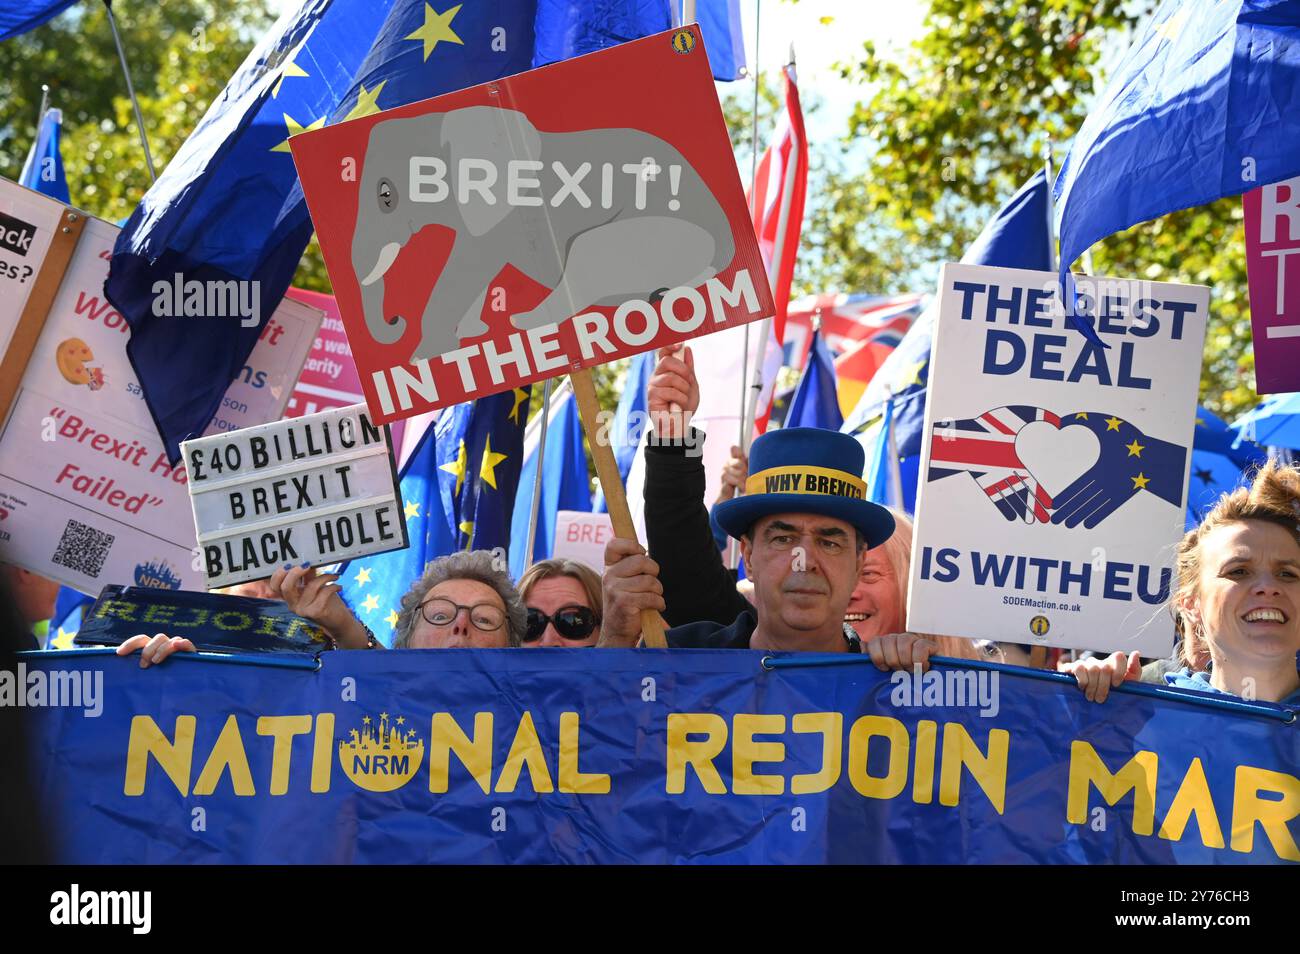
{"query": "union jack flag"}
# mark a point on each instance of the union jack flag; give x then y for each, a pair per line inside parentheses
(985, 448)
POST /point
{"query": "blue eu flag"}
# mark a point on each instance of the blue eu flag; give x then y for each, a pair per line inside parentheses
(374, 585)
(19, 16)
(1016, 237)
(229, 206)
(1220, 463)
(1202, 106)
(815, 402)
(569, 28)
(480, 453)
(565, 485)
(457, 489)
(631, 418)
(43, 170)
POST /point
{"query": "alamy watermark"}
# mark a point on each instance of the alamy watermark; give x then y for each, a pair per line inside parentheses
(947, 689)
(77, 688)
(212, 298)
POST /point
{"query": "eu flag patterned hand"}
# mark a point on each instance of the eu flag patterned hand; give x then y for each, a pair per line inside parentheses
(1129, 462)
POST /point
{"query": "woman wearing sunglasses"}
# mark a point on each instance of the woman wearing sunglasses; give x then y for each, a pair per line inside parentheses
(563, 600)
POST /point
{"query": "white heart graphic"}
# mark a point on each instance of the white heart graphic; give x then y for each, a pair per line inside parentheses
(1055, 458)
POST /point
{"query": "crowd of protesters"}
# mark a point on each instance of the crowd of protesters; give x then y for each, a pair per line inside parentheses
(826, 570)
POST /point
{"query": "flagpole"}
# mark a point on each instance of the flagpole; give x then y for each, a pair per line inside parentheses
(1051, 207)
(753, 198)
(537, 479)
(45, 102)
(733, 556)
(130, 89)
(773, 271)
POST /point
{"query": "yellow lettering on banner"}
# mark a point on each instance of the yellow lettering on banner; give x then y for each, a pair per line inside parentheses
(228, 752)
(526, 750)
(831, 726)
(572, 780)
(1271, 813)
(282, 729)
(989, 770)
(173, 757)
(322, 753)
(927, 735)
(745, 751)
(446, 736)
(698, 755)
(1193, 798)
(860, 736)
(1138, 776)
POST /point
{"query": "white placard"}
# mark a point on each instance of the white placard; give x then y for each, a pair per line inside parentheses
(582, 536)
(86, 494)
(1053, 474)
(316, 489)
(27, 223)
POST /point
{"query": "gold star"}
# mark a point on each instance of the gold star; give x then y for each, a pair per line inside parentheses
(363, 576)
(367, 102)
(436, 28)
(520, 397)
(1113, 423)
(1140, 482)
(487, 469)
(62, 640)
(1135, 449)
(366, 721)
(370, 603)
(412, 509)
(458, 467)
(401, 720)
(1082, 415)
(391, 618)
(294, 128)
(911, 375)
(290, 69)
(467, 528)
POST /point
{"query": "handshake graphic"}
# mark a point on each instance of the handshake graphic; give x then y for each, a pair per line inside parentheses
(1012, 451)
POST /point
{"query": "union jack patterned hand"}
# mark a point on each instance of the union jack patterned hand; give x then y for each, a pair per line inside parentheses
(985, 448)
(1128, 462)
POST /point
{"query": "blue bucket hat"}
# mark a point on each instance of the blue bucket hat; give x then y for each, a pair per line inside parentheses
(806, 470)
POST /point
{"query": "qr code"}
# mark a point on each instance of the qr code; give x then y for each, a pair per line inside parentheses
(83, 548)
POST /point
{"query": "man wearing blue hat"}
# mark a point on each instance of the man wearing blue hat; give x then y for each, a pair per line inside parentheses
(804, 526)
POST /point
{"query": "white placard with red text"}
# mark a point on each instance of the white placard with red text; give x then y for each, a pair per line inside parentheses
(582, 536)
(86, 494)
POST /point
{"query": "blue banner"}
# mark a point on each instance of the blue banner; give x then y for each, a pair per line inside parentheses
(642, 756)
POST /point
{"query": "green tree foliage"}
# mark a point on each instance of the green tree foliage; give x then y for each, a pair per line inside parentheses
(181, 54)
(950, 130)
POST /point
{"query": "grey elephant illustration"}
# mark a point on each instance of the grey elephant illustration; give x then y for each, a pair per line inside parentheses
(595, 236)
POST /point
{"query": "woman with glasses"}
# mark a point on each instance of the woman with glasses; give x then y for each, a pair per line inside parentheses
(563, 601)
(463, 600)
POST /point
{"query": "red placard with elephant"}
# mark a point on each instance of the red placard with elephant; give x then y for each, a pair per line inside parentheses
(552, 221)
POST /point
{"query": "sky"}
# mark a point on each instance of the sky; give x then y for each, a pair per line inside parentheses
(818, 45)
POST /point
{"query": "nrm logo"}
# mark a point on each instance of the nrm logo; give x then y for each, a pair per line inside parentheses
(383, 757)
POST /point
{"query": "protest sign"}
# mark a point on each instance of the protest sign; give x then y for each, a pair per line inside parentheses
(725, 757)
(582, 536)
(241, 624)
(1054, 470)
(547, 222)
(1273, 269)
(27, 223)
(329, 376)
(315, 489)
(86, 492)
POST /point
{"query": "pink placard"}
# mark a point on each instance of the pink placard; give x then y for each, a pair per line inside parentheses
(1273, 269)
(329, 377)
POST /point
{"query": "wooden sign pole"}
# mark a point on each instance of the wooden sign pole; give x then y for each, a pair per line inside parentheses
(584, 391)
(32, 321)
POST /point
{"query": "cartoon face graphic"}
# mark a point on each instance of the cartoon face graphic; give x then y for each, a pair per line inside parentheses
(71, 356)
